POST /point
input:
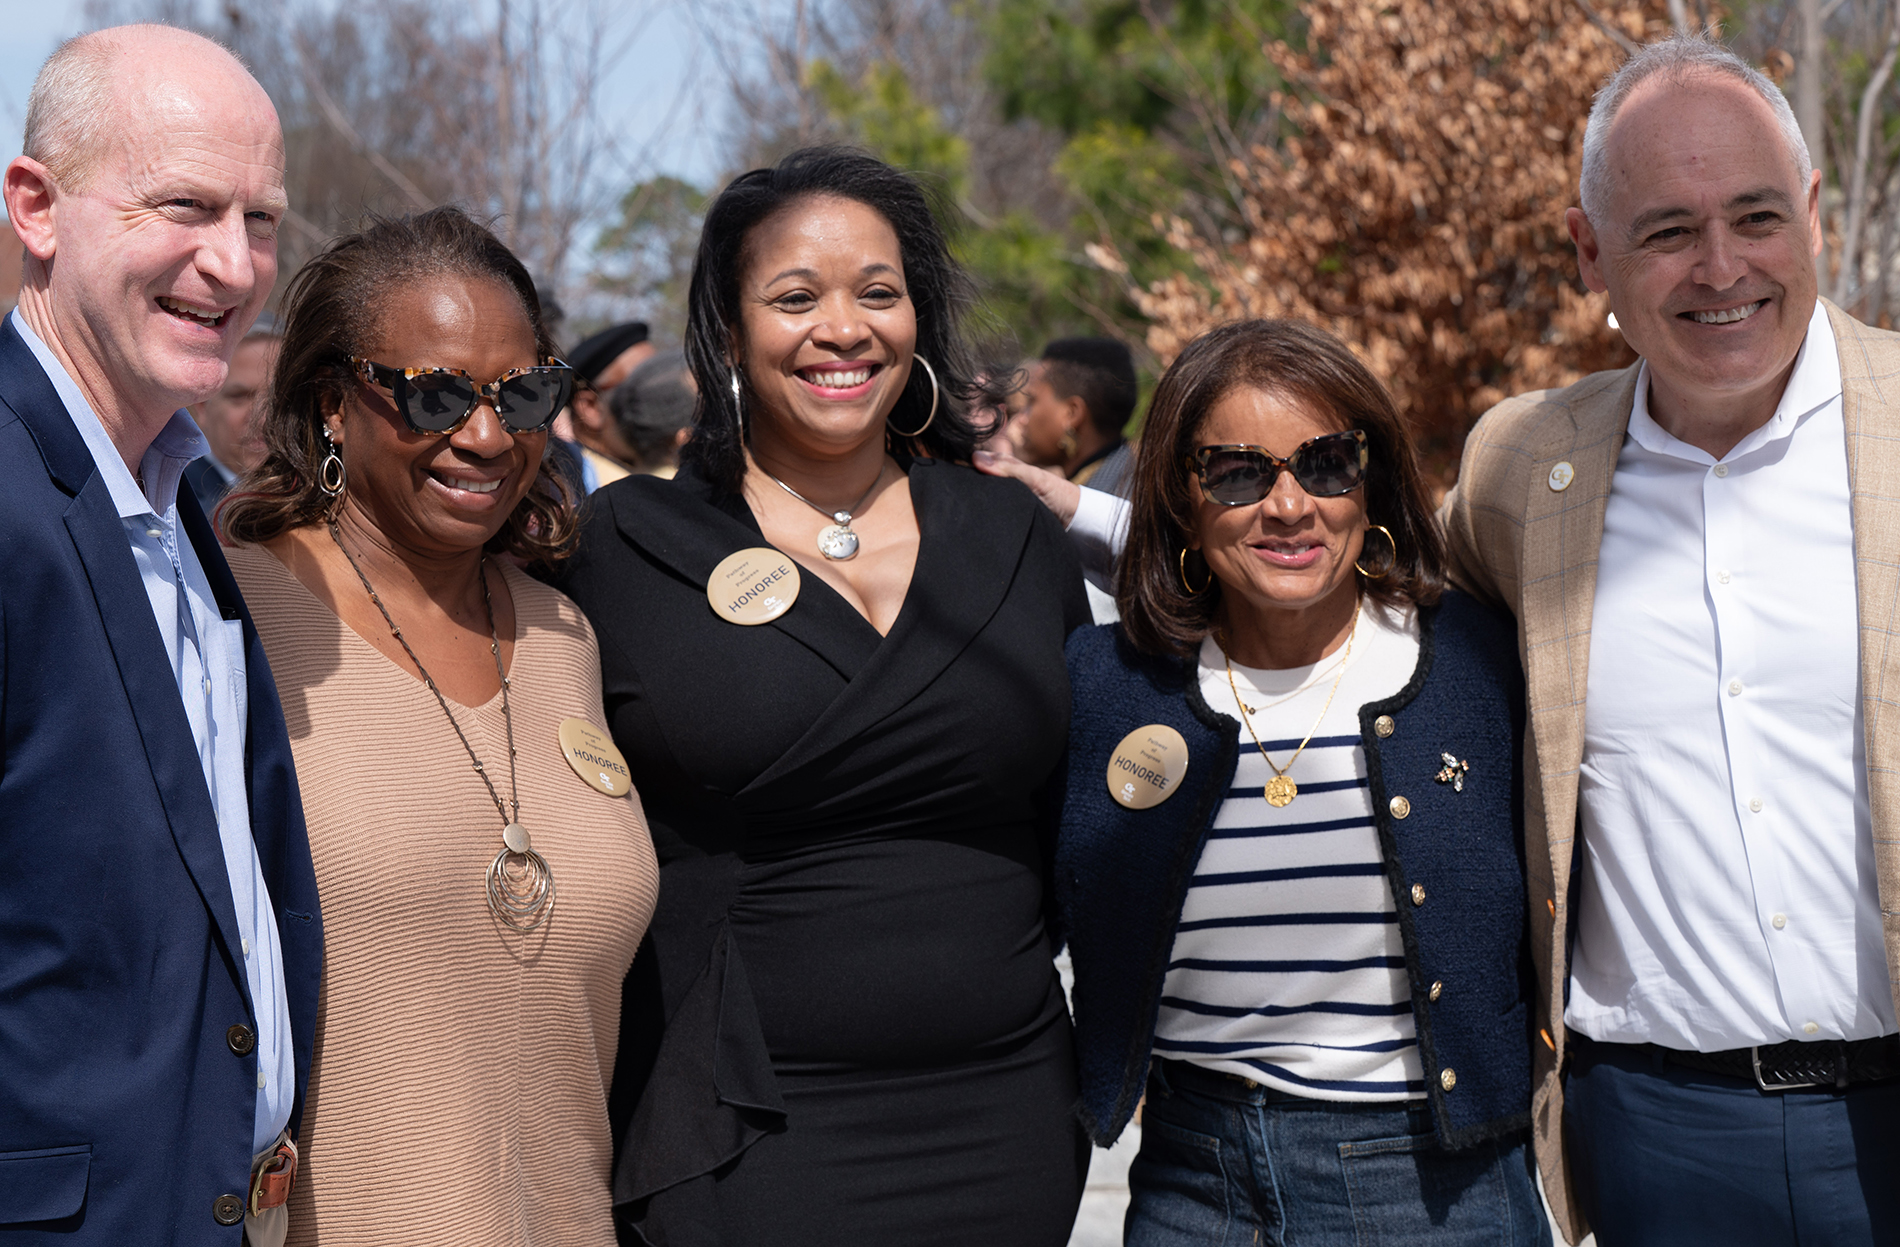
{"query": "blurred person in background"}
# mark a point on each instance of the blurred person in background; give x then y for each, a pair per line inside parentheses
(159, 934)
(231, 420)
(833, 659)
(485, 871)
(1076, 401)
(653, 411)
(1296, 903)
(600, 363)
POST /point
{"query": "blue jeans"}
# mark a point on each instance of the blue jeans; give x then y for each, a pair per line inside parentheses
(1222, 1163)
(1664, 1156)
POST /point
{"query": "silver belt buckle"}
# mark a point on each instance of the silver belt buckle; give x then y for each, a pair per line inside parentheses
(1754, 1056)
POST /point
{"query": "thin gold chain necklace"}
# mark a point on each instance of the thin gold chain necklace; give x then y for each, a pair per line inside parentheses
(520, 884)
(1281, 789)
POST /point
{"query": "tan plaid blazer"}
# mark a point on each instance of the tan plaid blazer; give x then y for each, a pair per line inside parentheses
(1519, 543)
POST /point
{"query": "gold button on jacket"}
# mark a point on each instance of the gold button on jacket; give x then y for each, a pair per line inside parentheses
(1383, 726)
(1418, 894)
(1399, 806)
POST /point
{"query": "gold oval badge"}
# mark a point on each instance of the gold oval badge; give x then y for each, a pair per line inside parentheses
(753, 586)
(591, 753)
(1147, 766)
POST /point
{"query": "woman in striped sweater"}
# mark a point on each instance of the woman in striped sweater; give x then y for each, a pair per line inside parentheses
(1289, 867)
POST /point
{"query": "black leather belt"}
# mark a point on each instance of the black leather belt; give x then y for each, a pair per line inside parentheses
(1796, 1064)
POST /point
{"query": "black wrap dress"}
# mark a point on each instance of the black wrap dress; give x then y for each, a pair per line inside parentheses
(844, 1027)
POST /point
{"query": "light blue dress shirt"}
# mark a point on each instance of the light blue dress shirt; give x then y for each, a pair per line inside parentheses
(207, 659)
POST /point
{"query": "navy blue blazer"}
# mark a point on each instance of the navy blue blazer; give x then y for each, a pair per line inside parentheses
(125, 1110)
(1454, 861)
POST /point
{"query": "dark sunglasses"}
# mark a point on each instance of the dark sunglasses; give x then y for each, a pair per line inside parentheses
(440, 400)
(1239, 476)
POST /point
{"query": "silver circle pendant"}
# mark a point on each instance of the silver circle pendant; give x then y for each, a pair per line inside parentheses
(516, 837)
(838, 543)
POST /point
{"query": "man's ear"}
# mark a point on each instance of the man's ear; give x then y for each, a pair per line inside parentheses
(32, 200)
(1584, 235)
(1075, 413)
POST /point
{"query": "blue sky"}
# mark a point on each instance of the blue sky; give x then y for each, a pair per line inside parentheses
(665, 60)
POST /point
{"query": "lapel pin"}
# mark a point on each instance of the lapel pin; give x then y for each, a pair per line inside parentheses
(1561, 474)
(1453, 772)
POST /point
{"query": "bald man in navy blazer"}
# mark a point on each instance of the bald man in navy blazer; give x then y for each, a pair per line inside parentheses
(160, 943)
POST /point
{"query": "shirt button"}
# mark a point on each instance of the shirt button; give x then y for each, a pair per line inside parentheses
(1721, 469)
(246, 944)
(1754, 803)
(154, 532)
(1721, 577)
(207, 684)
(1780, 921)
(262, 1082)
(1734, 688)
(1810, 1028)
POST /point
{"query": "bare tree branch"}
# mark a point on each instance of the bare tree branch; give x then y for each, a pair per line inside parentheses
(1848, 272)
(1602, 23)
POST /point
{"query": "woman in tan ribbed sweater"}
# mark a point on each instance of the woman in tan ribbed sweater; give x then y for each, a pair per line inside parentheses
(482, 895)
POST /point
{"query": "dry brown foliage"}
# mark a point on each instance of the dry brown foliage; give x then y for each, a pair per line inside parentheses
(1417, 211)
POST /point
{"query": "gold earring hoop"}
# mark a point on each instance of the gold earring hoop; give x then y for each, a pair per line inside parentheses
(1191, 590)
(1067, 443)
(935, 393)
(1390, 563)
(738, 407)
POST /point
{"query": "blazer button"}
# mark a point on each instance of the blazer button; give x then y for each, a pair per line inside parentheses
(1399, 806)
(1448, 1078)
(1418, 898)
(242, 1039)
(1383, 726)
(227, 1210)
(1438, 989)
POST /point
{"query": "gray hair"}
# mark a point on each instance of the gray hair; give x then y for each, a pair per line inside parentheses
(1681, 57)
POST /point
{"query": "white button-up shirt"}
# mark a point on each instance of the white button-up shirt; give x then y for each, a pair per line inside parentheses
(1728, 894)
(207, 660)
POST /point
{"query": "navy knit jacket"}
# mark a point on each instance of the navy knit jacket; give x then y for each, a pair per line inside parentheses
(1454, 861)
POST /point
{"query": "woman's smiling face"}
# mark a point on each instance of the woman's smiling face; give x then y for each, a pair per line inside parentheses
(441, 494)
(826, 326)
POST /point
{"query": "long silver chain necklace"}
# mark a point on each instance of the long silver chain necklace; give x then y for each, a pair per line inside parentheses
(520, 885)
(836, 542)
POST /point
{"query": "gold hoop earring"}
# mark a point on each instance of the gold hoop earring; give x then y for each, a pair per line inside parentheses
(1390, 563)
(738, 407)
(330, 475)
(935, 392)
(1066, 444)
(1191, 590)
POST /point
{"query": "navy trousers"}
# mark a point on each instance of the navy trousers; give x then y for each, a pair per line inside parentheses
(1664, 1156)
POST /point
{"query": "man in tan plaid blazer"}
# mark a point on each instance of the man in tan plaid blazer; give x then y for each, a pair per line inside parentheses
(1701, 220)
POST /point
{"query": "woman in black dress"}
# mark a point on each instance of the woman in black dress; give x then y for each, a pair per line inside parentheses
(845, 1026)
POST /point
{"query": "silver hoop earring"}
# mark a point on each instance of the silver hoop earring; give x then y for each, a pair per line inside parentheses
(330, 476)
(738, 406)
(935, 393)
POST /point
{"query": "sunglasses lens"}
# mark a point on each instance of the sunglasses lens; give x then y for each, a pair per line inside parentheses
(1237, 477)
(1329, 466)
(530, 401)
(437, 402)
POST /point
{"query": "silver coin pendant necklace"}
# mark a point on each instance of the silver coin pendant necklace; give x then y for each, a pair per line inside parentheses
(520, 885)
(836, 541)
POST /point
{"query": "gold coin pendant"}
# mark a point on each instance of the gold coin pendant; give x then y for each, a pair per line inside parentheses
(1281, 791)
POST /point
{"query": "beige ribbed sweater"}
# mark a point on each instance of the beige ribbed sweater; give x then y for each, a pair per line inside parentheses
(458, 1089)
